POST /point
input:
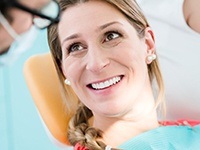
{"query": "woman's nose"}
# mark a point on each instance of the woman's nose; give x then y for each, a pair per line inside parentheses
(97, 59)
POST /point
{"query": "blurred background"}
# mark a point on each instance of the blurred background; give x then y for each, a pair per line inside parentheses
(20, 125)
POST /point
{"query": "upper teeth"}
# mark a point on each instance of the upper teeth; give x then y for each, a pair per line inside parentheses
(105, 84)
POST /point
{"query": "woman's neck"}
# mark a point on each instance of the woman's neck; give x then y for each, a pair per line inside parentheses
(136, 118)
(117, 131)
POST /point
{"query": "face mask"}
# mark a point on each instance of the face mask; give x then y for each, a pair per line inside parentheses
(21, 44)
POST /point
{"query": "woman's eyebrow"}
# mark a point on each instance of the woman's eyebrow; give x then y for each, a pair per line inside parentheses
(73, 36)
(107, 25)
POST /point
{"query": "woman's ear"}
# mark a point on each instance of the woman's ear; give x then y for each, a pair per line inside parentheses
(149, 40)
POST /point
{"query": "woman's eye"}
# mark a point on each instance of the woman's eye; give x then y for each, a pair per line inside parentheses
(111, 35)
(75, 47)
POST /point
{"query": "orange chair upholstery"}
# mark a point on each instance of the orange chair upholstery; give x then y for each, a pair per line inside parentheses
(43, 83)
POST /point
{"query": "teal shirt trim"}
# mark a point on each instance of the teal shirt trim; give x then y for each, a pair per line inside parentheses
(166, 138)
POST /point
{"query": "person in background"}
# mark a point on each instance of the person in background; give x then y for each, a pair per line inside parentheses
(176, 24)
(16, 25)
(20, 36)
(110, 63)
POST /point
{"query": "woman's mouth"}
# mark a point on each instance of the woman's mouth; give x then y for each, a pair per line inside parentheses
(106, 83)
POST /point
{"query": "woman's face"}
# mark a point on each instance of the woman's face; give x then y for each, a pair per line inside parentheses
(103, 57)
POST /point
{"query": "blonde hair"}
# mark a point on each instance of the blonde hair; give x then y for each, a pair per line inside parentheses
(79, 128)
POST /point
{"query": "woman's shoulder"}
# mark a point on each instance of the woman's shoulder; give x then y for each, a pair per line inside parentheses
(171, 136)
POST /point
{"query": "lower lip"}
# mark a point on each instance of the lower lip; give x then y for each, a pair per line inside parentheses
(107, 91)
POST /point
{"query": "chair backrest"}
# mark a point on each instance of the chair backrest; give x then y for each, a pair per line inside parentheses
(43, 83)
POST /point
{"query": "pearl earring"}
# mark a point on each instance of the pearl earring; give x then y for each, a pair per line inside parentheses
(67, 82)
(108, 147)
(150, 58)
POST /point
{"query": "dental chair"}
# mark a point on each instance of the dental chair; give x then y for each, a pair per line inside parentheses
(43, 83)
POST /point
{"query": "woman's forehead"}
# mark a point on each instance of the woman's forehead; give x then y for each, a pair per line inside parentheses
(92, 13)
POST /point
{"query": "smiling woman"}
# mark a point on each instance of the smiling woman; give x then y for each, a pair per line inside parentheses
(110, 63)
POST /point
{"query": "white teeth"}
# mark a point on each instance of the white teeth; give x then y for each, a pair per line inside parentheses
(106, 84)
